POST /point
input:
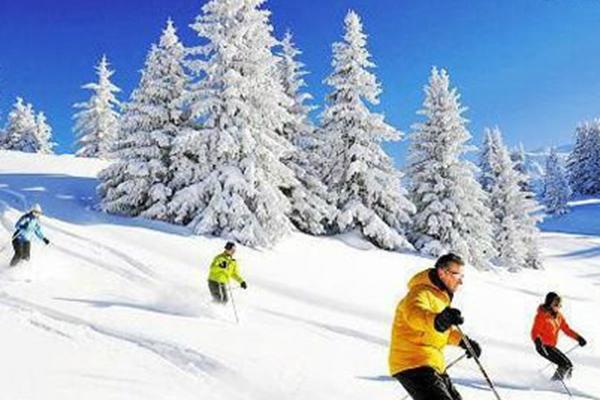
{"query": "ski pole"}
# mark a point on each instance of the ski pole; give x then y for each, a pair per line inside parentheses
(453, 363)
(566, 388)
(472, 352)
(237, 320)
(567, 352)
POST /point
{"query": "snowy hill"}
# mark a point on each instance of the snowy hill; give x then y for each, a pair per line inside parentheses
(118, 308)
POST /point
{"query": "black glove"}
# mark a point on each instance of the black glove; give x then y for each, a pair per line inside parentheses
(223, 264)
(582, 342)
(539, 346)
(444, 320)
(244, 285)
(474, 345)
(46, 241)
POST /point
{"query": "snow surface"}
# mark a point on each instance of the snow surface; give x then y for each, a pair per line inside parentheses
(118, 308)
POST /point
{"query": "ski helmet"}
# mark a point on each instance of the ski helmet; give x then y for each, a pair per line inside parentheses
(551, 298)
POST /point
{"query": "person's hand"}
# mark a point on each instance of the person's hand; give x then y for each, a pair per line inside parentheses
(540, 347)
(244, 285)
(474, 345)
(46, 241)
(582, 342)
(223, 264)
(444, 320)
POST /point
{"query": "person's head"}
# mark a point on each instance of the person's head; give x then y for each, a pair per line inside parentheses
(553, 302)
(450, 270)
(36, 210)
(230, 248)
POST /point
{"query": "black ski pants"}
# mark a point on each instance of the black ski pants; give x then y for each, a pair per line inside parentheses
(22, 250)
(425, 383)
(556, 356)
(218, 291)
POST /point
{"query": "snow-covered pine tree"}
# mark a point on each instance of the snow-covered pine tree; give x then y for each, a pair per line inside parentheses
(593, 161)
(360, 175)
(97, 122)
(311, 210)
(515, 231)
(138, 182)
(583, 163)
(241, 105)
(556, 186)
(577, 160)
(518, 158)
(486, 159)
(21, 131)
(44, 134)
(451, 211)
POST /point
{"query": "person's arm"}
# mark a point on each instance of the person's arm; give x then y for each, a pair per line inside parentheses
(455, 337)
(419, 314)
(38, 232)
(564, 326)
(236, 272)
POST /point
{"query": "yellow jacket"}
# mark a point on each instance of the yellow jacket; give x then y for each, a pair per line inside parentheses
(415, 342)
(223, 268)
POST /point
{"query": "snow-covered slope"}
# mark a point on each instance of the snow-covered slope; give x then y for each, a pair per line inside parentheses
(118, 308)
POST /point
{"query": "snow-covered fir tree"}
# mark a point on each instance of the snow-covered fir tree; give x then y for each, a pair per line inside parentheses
(359, 174)
(138, 182)
(515, 230)
(556, 186)
(241, 104)
(311, 210)
(486, 159)
(44, 134)
(97, 122)
(518, 158)
(583, 163)
(26, 132)
(451, 206)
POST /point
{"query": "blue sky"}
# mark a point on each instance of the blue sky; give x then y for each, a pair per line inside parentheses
(530, 66)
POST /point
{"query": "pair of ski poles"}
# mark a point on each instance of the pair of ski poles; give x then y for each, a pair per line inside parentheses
(470, 351)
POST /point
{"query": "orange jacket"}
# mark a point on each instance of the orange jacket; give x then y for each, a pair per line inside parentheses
(546, 327)
(415, 342)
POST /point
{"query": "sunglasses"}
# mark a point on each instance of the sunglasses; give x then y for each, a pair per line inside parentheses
(458, 275)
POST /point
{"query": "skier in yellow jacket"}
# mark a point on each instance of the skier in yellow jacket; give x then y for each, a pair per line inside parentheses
(424, 324)
(222, 269)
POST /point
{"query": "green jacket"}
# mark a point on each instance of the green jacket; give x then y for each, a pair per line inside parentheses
(223, 268)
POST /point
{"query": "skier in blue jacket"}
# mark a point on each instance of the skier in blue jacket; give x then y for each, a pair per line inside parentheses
(26, 227)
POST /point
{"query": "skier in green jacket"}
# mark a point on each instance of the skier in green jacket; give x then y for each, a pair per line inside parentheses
(222, 269)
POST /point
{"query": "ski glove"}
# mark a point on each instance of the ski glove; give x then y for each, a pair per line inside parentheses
(223, 265)
(244, 285)
(582, 342)
(444, 320)
(474, 345)
(46, 241)
(540, 347)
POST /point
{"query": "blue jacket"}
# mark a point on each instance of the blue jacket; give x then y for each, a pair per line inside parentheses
(27, 226)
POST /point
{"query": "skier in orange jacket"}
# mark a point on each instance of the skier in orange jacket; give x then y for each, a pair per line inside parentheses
(548, 322)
